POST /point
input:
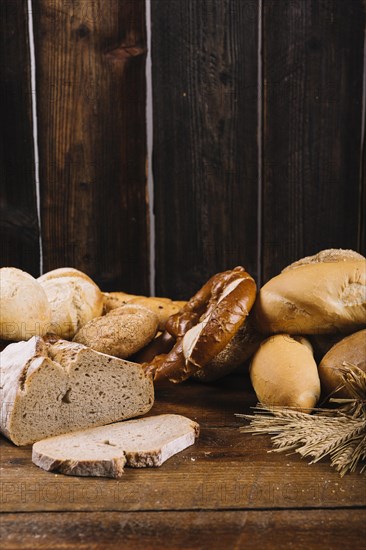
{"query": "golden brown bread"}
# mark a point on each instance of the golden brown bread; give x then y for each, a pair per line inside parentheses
(240, 348)
(314, 298)
(350, 351)
(206, 324)
(162, 307)
(122, 332)
(283, 373)
(326, 256)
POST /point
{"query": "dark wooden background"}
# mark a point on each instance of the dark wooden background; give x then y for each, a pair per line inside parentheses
(257, 137)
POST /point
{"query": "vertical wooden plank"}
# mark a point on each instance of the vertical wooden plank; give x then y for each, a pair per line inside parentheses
(91, 89)
(313, 68)
(362, 216)
(18, 211)
(204, 64)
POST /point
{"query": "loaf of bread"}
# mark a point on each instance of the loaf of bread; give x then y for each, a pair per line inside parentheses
(314, 298)
(327, 256)
(106, 450)
(284, 373)
(74, 299)
(351, 351)
(122, 332)
(162, 307)
(51, 388)
(24, 308)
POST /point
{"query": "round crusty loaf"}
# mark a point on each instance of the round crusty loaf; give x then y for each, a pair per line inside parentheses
(284, 373)
(316, 298)
(350, 351)
(24, 308)
(327, 256)
(122, 332)
(74, 299)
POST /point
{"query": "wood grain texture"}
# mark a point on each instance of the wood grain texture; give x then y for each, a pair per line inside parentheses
(362, 217)
(204, 63)
(313, 70)
(224, 470)
(91, 110)
(313, 529)
(19, 234)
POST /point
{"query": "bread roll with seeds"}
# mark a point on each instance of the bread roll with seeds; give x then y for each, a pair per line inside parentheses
(326, 256)
(122, 332)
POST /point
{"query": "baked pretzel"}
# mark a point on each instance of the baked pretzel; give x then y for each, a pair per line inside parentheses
(204, 326)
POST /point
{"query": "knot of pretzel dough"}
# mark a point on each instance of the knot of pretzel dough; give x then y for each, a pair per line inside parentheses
(204, 326)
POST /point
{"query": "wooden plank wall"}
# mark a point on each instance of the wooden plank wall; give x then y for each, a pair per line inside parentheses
(90, 59)
(90, 63)
(312, 75)
(19, 235)
(205, 71)
(205, 149)
(257, 136)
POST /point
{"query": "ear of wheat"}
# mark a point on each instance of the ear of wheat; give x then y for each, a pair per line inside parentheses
(338, 433)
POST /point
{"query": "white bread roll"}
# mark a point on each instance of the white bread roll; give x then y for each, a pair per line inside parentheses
(24, 308)
(284, 373)
(315, 298)
(74, 299)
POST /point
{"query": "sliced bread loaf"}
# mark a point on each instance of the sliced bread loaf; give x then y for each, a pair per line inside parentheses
(104, 451)
(50, 388)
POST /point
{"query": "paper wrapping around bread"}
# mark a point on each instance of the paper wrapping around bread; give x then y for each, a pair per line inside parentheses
(49, 389)
(314, 298)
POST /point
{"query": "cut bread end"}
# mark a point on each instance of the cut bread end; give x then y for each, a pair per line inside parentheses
(104, 451)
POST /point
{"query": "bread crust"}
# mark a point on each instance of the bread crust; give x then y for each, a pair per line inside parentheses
(74, 299)
(122, 332)
(350, 351)
(315, 298)
(24, 308)
(284, 373)
(240, 348)
(103, 451)
(327, 256)
(162, 307)
(53, 388)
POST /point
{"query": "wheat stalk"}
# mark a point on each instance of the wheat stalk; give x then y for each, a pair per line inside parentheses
(338, 433)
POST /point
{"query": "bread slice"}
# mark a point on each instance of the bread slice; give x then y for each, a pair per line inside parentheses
(51, 388)
(106, 450)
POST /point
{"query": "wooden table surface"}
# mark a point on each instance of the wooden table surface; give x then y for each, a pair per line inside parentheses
(226, 491)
